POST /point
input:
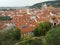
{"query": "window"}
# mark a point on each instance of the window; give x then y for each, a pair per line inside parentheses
(24, 26)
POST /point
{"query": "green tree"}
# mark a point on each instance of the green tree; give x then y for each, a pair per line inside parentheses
(53, 37)
(9, 37)
(42, 29)
(2, 18)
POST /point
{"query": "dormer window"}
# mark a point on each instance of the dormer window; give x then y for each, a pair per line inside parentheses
(24, 26)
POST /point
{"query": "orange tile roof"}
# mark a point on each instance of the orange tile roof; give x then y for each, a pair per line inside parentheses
(20, 17)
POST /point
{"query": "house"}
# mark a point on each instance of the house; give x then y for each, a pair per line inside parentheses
(28, 19)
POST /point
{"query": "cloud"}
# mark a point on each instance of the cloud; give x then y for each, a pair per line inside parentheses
(8, 3)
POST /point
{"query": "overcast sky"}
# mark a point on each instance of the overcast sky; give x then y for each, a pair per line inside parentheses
(18, 3)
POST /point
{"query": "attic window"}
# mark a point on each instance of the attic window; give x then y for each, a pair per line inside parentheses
(24, 26)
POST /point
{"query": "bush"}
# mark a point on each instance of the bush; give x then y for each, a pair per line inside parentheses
(32, 41)
(35, 41)
(26, 38)
(53, 37)
(42, 29)
(10, 36)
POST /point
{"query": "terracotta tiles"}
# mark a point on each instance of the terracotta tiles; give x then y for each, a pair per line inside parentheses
(22, 17)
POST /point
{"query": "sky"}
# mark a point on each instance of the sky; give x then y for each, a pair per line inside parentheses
(18, 3)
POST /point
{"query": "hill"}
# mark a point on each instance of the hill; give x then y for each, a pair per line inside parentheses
(53, 3)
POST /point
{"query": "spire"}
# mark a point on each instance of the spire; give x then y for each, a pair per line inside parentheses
(28, 11)
(44, 5)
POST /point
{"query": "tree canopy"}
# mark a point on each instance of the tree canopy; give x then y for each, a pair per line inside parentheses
(42, 29)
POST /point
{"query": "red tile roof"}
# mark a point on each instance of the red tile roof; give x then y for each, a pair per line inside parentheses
(21, 18)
